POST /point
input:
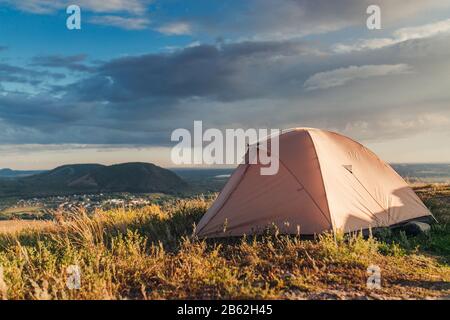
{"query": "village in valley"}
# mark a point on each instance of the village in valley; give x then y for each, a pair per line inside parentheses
(44, 207)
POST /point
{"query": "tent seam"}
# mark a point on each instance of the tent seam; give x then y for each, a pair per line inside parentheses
(328, 218)
(333, 225)
(307, 192)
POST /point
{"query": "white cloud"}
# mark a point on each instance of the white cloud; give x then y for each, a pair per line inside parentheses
(176, 28)
(364, 44)
(424, 31)
(132, 23)
(130, 6)
(400, 35)
(341, 76)
(46, 6)
(129, 14)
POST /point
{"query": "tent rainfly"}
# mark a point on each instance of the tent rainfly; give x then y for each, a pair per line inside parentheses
(325, 182)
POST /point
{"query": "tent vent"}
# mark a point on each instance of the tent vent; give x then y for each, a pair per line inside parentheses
(348, 167)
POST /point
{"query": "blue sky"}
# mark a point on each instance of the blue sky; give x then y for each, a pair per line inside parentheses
(27, 33)
(115, 90)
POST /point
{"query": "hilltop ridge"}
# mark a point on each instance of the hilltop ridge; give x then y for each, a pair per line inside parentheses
(84, 178)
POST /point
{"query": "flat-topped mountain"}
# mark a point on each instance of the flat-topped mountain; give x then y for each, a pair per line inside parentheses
(83, 178)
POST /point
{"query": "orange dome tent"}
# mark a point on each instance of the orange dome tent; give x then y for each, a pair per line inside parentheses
(325, 181)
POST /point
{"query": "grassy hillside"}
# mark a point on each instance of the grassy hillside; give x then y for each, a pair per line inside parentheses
(34, 212)
(149, 253)
(94, 178)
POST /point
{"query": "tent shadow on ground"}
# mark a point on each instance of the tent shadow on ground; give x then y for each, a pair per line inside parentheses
(385, 212)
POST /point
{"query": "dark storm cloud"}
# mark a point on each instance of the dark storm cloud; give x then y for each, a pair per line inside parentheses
(228, 72)
(233, 72)
(74, 63)
(141, 99)
(37, 111)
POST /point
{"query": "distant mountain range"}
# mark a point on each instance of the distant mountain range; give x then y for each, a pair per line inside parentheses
(84, 178)
(424, 172)
(8, 173)
(146, 177)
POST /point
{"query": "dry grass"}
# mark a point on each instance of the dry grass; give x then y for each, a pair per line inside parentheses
(18, 226)
(13, 210)
(150, 254)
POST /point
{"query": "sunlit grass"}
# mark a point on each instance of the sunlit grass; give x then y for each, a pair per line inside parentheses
(150, 253)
